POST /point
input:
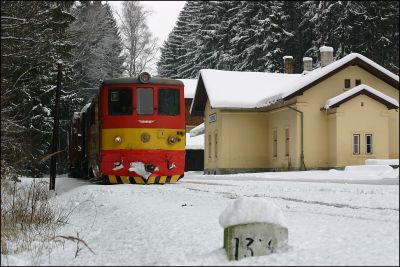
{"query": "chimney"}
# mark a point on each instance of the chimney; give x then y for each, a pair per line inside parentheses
(307, 64)
(288, 64)
(326, 55)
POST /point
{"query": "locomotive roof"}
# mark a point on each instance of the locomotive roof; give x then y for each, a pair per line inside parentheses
(153, 80)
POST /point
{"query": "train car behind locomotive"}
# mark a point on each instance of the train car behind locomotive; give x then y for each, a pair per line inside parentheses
(133, 131)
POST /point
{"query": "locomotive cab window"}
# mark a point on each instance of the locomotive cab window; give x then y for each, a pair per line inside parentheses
(120, 101)
(144, 101)
(168, 102)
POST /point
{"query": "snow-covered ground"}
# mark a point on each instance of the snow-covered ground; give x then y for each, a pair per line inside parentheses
(348, 217)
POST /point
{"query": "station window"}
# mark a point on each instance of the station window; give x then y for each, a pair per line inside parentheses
(144, 101)
(216, 145)
(168, 102)
(287, 142)
(209, 146)
(368, 144)
(356, 144)
(275, 143)
(346, 83)
(119, 101)
(358, 82)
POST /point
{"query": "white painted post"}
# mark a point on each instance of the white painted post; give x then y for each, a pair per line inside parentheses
(253, 227)
(254, 239)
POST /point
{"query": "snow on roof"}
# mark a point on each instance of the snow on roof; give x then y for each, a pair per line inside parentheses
(199, 129)
(86, 107)
(196, 142)
(287, 57)
(326, 49)
(190, 87)
(76, 115)
(304, 80)
(251, 210)
(307, 59)
(238, 89)
(339, 98)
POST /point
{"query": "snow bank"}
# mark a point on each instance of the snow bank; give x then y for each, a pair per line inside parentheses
(382, 162)
(369, 168)
(251, 210)
(394, 173)
(382, 171)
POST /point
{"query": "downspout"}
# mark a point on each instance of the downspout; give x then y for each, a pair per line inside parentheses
(302, 166)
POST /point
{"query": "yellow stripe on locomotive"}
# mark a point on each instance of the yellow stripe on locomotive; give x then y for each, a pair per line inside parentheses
(143, 139)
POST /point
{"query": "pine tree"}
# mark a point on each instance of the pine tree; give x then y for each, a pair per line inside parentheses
(33, 39)
(255, 35)
(97, 48)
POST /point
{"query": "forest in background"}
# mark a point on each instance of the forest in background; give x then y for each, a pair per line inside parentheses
(227, 35)
(255, 35)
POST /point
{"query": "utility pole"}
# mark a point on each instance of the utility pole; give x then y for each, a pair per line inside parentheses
(54, 146)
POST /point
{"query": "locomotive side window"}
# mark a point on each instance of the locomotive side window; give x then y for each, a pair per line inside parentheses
(144, 101)
(119, 101)
(168, 102)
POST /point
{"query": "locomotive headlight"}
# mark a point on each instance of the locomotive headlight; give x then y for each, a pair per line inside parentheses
(172, 140)
(118, 140)
(145, 137)
(144, 77)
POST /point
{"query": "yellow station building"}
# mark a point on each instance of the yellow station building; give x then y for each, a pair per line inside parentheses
(340, 114)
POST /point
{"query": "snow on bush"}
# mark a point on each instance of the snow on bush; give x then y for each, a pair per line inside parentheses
(251, 210)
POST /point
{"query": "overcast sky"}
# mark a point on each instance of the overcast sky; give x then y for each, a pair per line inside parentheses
(160, 22)
(163, 18)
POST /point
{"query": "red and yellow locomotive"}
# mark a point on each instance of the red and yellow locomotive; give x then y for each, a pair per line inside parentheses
(132, 131)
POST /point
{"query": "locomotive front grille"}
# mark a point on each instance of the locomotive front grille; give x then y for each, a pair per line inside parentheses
(115, 179)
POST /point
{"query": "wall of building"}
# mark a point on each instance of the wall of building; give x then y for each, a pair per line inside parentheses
(247, 143)
(244, 146)
(316, 122)
(279, 120)
(361, 115)
(332, 137)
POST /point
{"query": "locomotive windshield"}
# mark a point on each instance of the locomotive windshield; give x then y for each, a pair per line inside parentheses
(120, 101)
(168, 101)
(144, 101)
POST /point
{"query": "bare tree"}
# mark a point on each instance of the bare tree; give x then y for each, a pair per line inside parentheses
(140, 47)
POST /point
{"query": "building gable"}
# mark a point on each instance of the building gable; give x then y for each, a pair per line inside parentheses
(362, 89)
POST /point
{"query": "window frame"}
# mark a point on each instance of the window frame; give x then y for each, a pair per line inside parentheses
(209, 146)
(178, 101)
(109, 96)
(137, 95)
(275, 143)
(287, 142)
(345, 84)
(354, 144)
(216, 144)
(358, 82)
(369, 144)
